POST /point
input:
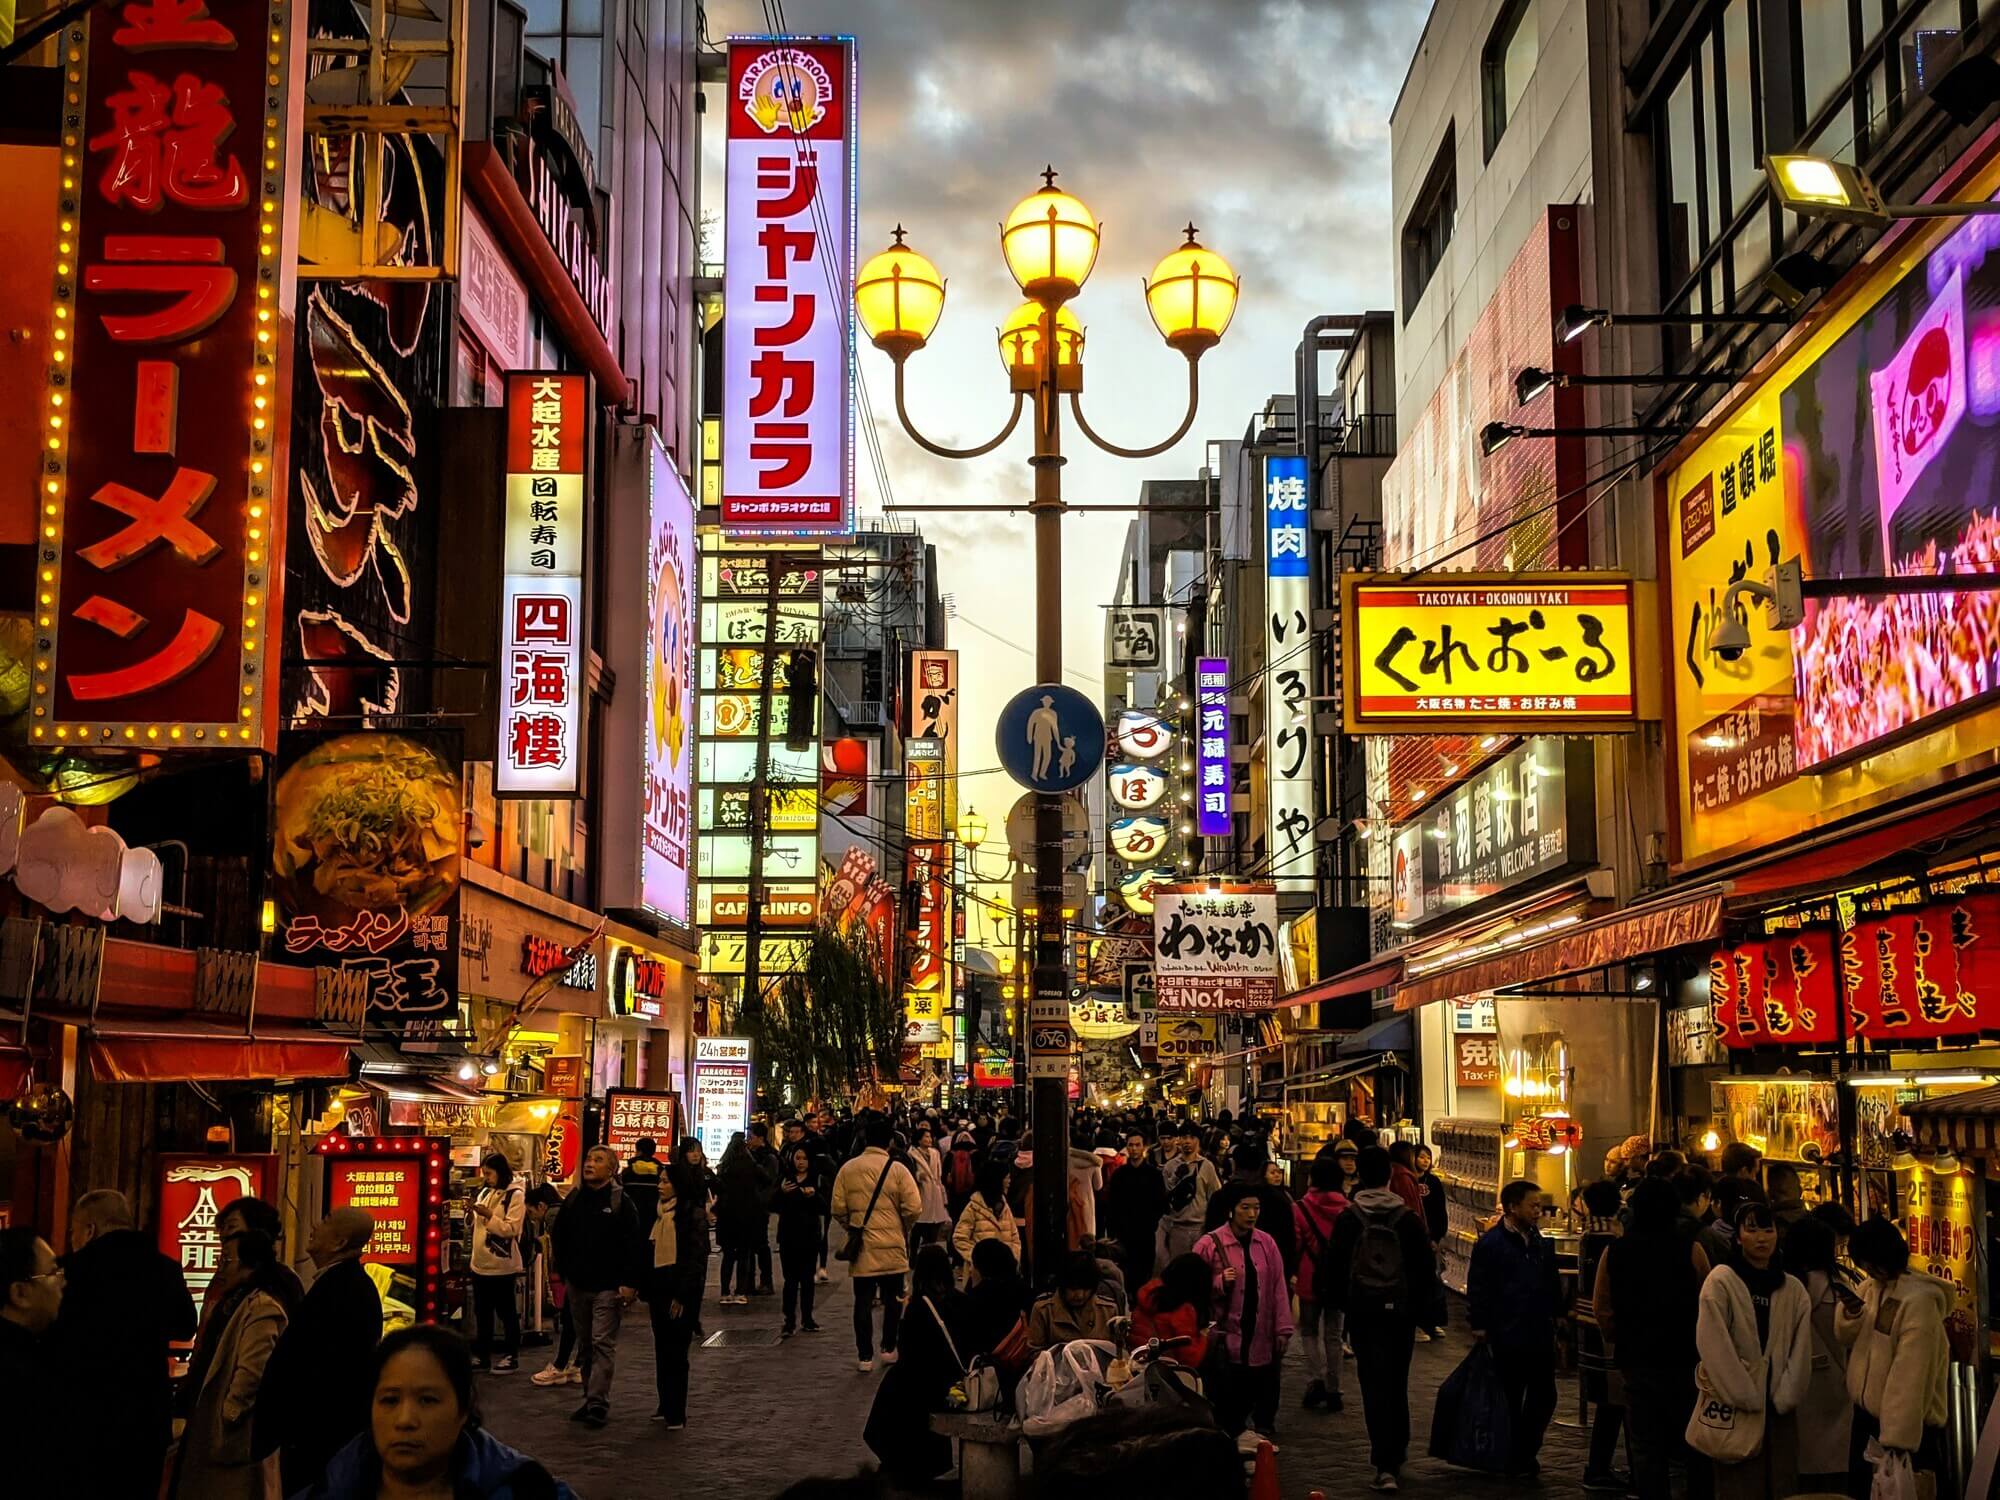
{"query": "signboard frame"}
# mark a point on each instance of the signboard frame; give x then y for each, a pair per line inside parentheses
(425, 1157)
(728, 1062)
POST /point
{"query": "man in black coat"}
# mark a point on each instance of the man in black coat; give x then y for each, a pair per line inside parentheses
(603, 1258)
(31, 1288)
(316, 1390)
(1275, 1217)
(1134, 1200)
(123, 1304)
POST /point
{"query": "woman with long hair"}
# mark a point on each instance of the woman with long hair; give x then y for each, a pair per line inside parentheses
(930, 1346)
(423, 1436)
(925, 1160)
(499, 1215)
(1644, 1299)
(1826, 1416)
(1175, 1304)
(802, 1208)
(679, 1274)
(215, 1461)
(1754, 1335)
(740, 1186)
(987, 1215)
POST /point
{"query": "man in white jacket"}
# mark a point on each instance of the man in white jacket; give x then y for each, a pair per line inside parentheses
(1898, 1368)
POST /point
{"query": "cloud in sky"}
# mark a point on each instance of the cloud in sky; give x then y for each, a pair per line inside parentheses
(1266, 122)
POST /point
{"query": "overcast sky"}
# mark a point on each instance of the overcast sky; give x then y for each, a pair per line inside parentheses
(1266, 122)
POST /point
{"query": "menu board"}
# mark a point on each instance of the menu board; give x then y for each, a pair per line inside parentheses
(391, 1189)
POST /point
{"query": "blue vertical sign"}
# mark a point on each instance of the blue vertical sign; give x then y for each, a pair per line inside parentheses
(1288, 671)
(1211, 688)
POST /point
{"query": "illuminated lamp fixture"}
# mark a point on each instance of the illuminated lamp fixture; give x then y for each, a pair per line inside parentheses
(267, 917)
(1496, 435)
(490, 1067)
(467, 1071)
(1574, 321)
(1818, 187)
(1711, 1140)
(972, 828)
(899, 297)
(1192, 296)
(1531, 382)
(1944, 1161)
(1021, 345)
(1795, 277)
(1050, 243)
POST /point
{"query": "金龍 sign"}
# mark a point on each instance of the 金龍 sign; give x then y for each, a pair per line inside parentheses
(633, 1115)
(194, 1190)
(1288, 671)
(722, 1086)
(541, 593)
(1507, 653)
(166, 402)
(1215, 947)
(788, 241)
(1211, 757)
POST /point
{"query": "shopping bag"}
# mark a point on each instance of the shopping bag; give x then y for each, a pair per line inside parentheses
(1894, 1478)
(1716, 1429)
(1471, 1426)
(1065, 1384)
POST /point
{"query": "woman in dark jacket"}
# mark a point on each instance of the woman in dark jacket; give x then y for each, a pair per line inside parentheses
(740, 1218)
(679, 1273)
(1644, 1297)
(996, 1301)
(927, 1366)
(802, 1209)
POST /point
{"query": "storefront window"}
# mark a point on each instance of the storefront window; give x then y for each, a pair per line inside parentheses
(1678, 146)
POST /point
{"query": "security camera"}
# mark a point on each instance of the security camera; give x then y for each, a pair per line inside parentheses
(1729, 637)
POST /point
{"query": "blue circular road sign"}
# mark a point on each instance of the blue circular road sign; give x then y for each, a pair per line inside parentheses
(1051, 738)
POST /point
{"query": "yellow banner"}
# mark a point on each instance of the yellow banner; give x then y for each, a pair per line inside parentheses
(1459, 653)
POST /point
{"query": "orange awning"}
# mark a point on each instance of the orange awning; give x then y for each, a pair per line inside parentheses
(145, 1051)
(1839, 858)
(1376, 974)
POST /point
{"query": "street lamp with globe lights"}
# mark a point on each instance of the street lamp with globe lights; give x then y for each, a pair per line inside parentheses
(1050, 242)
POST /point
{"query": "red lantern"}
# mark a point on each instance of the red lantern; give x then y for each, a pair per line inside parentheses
(1722, 998)
(1808, 982)
(1971, 927)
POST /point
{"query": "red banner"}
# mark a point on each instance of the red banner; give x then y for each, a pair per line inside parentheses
(1808, 985)
(1972, 924)
(194, 1191)
(167, 401)
(390, 1188)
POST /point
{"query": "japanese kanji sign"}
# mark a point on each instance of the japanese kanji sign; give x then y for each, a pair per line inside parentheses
(1211, 750)
(632, 1115)
(1289, 653)
(1133, 637)
(166, 405)
(193, 1192)
(1215, 947)
(933, 711)
(367, 833)
(787, 360)
(1476, 1061)
(927, 874)
(541, 594)
(1531, 653)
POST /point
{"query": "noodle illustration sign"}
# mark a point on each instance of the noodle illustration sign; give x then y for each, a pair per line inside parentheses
(367, 842)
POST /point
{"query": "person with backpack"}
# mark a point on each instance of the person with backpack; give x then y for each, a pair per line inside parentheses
(1252, 1301)
(961, 1172)
(1380, 1273)
(1191, 1180)
(1314, 1217)
(1514, 1292)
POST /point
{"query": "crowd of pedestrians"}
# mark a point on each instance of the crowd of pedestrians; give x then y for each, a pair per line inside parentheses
(1730, 1341)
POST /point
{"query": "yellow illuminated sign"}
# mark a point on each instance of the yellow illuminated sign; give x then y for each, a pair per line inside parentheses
(1497, 653)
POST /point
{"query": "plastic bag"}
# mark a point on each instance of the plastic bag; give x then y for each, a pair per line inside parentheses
(1894, 1478)
(1064, 1384)
(1471, 1426)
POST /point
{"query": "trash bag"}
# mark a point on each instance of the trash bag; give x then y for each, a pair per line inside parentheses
(1472, 1426)
(1894, 1477)
(1064, 1383)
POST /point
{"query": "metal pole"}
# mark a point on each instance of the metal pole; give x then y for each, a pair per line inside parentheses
(751, 1012)
(1050, 1096)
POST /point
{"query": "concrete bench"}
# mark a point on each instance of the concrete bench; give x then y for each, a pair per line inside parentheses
(989, 1452)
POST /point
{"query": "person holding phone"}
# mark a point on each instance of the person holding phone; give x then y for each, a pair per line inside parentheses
(499, 1214)
(802, 1209)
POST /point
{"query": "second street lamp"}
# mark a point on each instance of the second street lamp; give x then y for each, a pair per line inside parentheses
(1050, 242)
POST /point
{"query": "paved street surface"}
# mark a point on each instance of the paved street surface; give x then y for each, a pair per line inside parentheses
(763, 1414)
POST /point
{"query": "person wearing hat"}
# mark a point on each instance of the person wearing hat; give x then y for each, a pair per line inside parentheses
(641, 1181)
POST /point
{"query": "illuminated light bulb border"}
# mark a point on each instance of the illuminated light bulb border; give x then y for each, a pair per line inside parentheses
(261, 384)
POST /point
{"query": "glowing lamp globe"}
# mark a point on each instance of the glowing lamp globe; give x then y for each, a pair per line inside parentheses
(1050, 241)
(1192, 296)
(899, 298)
(1021, 337)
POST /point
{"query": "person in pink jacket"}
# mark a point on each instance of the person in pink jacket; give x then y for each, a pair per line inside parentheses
(1252, 1303)
(1319, 1316)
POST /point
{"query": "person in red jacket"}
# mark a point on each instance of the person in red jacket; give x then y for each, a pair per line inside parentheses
(1319, 1316)
(1403, 1177)
(1175, 1305)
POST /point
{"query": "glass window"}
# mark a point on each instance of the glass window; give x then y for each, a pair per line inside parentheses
(1741, 126)
(1713, 217)
(1427, 231)
(1679, 146)
(1826, 53)
(1508, 64)
(1751, 251)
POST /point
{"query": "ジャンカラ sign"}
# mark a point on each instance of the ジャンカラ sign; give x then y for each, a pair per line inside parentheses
(1215, 947)
(166, 403)
(1531, 653)
(541, 593)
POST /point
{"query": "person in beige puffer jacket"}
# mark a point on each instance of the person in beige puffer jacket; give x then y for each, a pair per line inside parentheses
(1897, 1370)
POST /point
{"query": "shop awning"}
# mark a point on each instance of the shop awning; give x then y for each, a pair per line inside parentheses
(163, 1051)
(1376, 974)
(1339, 1073)
(1637, 932)
(1964, 1122)
(1838, 858)
(1390, 1034)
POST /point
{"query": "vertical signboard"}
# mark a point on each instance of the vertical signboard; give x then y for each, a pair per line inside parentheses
(666, 865)
(194, 1191)
(934, 716)
(722, 1088)
(1211, 761)
(366, 847)
(788, 249)
(400, 1180)
(924, 782)
(541, 592)
(165, 406)
(1288, 673)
